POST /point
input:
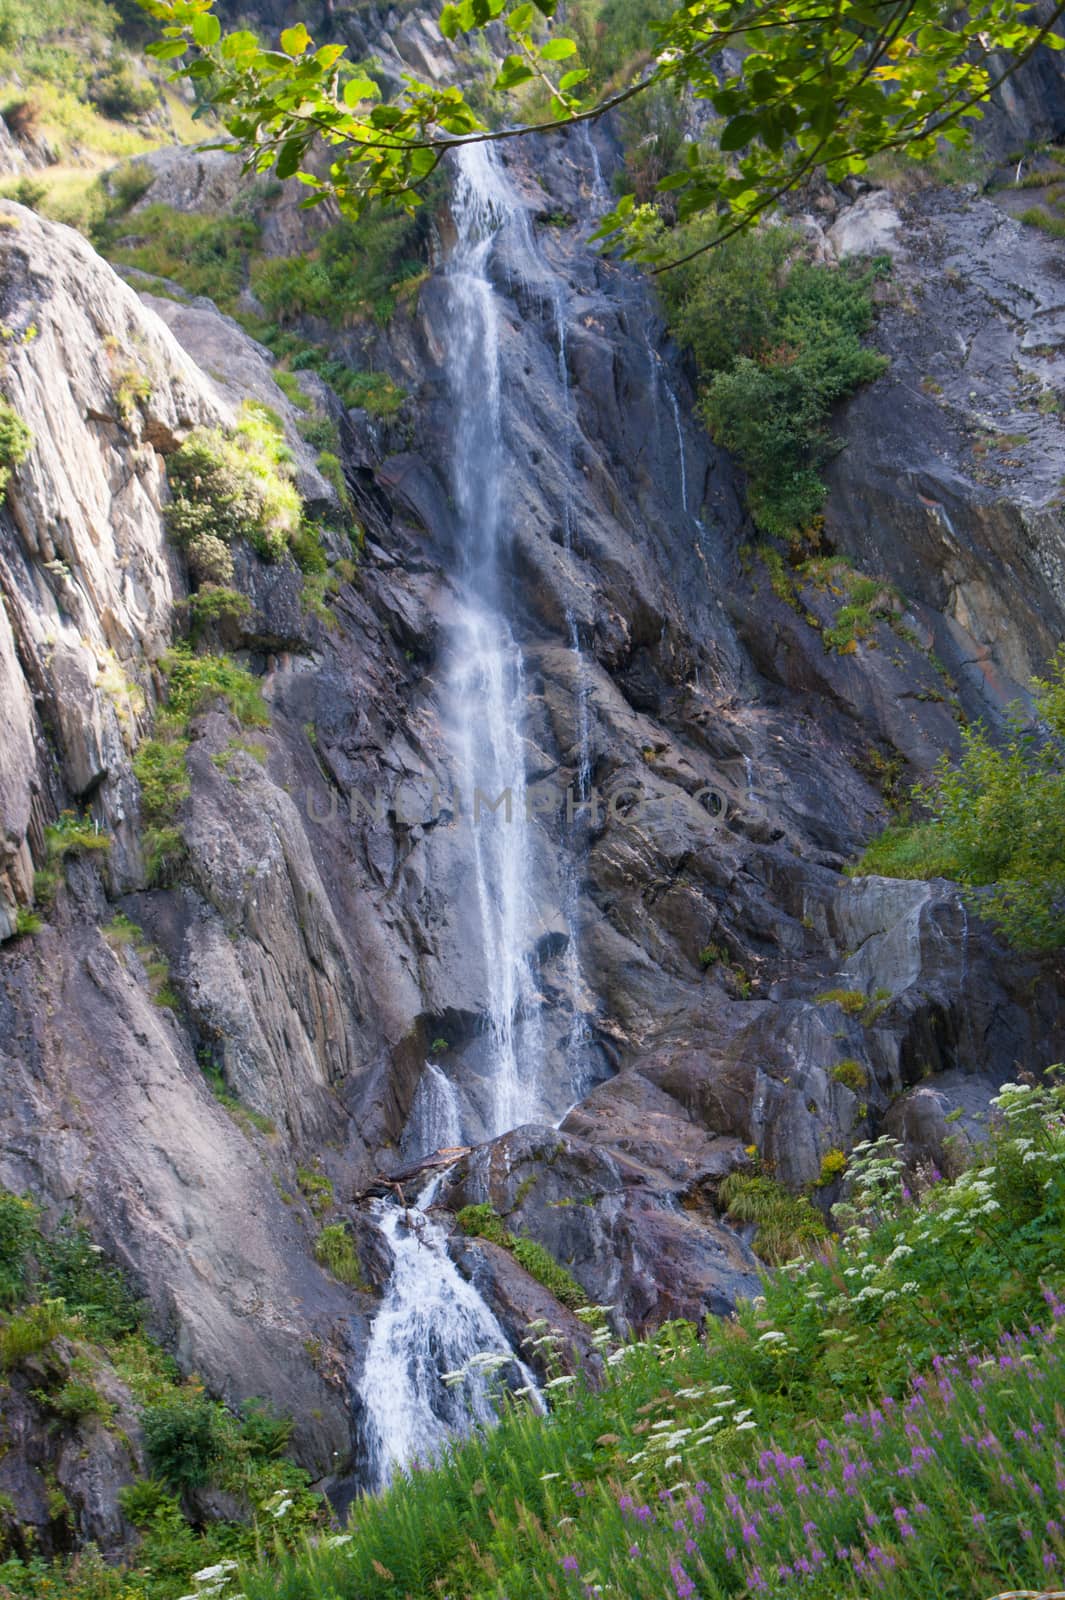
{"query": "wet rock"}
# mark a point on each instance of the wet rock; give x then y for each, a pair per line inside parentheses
(628, 1246)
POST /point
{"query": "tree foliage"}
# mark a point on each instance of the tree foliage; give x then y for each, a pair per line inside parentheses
(997, 824)
(804, 85)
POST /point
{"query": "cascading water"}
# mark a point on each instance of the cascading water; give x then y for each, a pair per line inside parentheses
(486, 682)
(431, 1323)
(432, 1320)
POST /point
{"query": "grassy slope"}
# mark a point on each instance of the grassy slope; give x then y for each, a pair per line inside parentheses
(889, 1415)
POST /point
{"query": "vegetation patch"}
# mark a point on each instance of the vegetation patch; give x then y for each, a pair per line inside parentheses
(482, 1221)
(787, 1225)
(996, 824)
(335, 1249)
(359, 269)
(233, 486)
(16, 442)
(777, 340)
(206, 255)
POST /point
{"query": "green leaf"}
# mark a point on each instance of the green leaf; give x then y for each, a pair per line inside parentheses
(206, 29)
(569, 80)
(740, 131)
(558, 49)
(328, 55)
(167, 49)
(289, 159)
(295, 40)
(513, 71)
(357, 90)
(547, 7)
(519, 18)
(449, 22)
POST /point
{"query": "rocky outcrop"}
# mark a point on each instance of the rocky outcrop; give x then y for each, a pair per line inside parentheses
(694, 931)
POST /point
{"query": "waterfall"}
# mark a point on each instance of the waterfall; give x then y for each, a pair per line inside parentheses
(486, 681)
(680, 448)
(431, 1323)
(435, 1121)
(432, 1320)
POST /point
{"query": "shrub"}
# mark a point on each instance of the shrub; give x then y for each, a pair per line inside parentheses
(18, 1231)
(335, 1250)
(195, 681)
(159, 767)
(74, 835)
(997, 824)
(851, 1074)
(75, 1271)
(76, 1401)
(27, 922)
(207, 255)
(236, 486)
(833, 1165)
(212, 603)
(183, 1440)
(777, 345)
(482, 1221)
(541, 1265)
(29, 1332)
(265, 1433)
(118, 92)
(852, 1001)
(317, 1189)
(16, 442)
(360, 268)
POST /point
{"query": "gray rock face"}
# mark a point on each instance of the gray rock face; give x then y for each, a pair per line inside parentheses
(319, 949)
(950, 481)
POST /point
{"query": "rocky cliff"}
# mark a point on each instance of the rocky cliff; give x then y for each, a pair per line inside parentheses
(320, 952)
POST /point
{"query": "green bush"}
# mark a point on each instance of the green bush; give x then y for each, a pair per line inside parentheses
(776, 345)
(77, 1401)
(997, 824)
(335, 1250)
(18, 1231)
(30, 1332)
(16, 442)
(265, 1433)
(852, 1001)
(195, 681)
(851, 1074)
(74, 835)
(183, 1441)
(75, 1270)
(360, 268)
(116, 91)
(233, 486)
(482, 1221)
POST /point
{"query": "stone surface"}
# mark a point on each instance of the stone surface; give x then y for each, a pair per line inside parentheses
(317, 953)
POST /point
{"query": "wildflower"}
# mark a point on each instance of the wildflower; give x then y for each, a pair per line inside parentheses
(978, 1519)
(559, 1383)
(684, 1586)
(211, 1574)
(570, 1564)
(634, 1550)
(545, 1477)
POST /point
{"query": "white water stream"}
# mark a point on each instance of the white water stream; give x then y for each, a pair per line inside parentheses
(432, 1321)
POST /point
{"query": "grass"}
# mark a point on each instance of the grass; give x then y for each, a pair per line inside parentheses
(335, 1249)
(879, 1422)
(481, 1221)
(206, 254)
